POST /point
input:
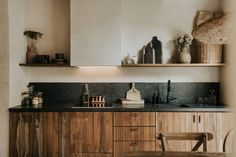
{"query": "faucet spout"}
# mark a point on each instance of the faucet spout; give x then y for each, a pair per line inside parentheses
(169, 98)
(168, 92)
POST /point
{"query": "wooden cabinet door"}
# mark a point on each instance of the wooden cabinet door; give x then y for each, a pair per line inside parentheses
(171, 122)
(219, 124)
(122, 147)
(85, 132)
(134, 118)
(34, 134)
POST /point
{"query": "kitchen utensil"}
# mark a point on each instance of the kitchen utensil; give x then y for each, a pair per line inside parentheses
(133, 93)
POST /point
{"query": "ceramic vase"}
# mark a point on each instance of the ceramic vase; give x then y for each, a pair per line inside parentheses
(185, 56)
(31, 53)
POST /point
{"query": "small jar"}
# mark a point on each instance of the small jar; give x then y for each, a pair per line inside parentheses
(40, 97)
(35, 100)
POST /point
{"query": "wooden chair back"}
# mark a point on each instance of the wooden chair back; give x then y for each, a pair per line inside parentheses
(229, 141)
(202, 138)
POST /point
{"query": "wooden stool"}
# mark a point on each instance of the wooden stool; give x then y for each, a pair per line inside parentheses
(202, 138)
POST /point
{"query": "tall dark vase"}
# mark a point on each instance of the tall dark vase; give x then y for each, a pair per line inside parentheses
(157, 45)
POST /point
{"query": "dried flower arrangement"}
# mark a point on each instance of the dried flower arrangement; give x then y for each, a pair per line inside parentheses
(183, 42)
(31, 47)
(33, 35)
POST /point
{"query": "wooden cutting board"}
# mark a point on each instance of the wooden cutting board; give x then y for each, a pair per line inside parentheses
(133, 93)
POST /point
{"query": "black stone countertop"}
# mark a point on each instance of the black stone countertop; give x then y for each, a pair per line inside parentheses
(70, 107)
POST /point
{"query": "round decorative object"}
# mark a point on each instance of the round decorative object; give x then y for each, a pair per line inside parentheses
(185, 56)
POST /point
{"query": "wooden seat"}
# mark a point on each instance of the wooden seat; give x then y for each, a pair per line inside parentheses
(202, 138)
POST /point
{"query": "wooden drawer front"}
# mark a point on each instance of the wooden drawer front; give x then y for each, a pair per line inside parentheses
(91, 155)
(134, 119)
(134, 134)
(122, 147)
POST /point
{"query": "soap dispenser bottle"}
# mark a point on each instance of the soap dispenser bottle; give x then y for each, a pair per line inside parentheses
(86, 96)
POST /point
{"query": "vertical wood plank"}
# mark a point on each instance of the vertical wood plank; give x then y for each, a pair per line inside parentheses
(191, 126)
(176, 129)
(161, 126)
(219, 132)
(158, 130)
(200, 125)
(75, 131)
(106, 141)
(97, 131)
(60, 119)
(210, 125)
(170, 127)
(13, 138)
(182, 128)
(66, 132)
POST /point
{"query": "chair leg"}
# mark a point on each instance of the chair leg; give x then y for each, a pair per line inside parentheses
(205, 137)
(199, 143)
(163, 142)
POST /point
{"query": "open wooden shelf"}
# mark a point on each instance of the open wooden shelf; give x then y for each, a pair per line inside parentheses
(46, 65)
(175, 65)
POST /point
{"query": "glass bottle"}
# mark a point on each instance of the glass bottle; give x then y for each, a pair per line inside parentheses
(86, 96)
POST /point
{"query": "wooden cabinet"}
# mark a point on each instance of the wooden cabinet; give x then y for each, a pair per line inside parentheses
(134, 131)
(95, 32)
(87, 132)
(106, 134)
(34, 134)
(53, 134)
(217, 123)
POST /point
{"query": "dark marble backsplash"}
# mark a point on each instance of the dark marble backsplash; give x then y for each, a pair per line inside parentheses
(54, 93)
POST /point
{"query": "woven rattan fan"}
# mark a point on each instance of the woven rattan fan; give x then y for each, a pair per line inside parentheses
(214, 31)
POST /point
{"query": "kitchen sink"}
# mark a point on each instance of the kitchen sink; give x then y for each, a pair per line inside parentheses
(91, 107)
(172, 105)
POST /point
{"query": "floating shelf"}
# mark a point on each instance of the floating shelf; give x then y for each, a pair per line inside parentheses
(46, 65)
(175, 65)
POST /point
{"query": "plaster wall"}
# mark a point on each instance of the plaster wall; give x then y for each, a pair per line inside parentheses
(4, 78)
(51, 17)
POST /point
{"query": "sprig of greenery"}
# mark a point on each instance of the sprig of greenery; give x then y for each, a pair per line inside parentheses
(33, 35)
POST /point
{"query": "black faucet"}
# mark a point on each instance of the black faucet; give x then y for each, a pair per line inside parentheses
(169, 98)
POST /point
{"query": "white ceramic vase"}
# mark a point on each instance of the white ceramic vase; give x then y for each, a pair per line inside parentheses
(185, 56)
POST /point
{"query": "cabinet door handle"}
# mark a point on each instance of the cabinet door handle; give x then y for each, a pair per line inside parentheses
(133, 115)
(199, 118)
(194, 118)
(133, 129)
